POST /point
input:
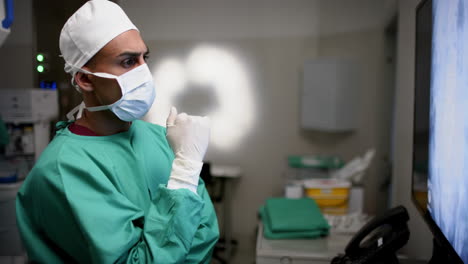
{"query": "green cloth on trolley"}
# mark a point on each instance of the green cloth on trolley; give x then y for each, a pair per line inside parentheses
(285, 218)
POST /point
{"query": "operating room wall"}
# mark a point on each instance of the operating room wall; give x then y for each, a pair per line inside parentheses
(368, 51)
(16, 67)
(420, 243)
(274, 67)
(272, 54)
(271, 40)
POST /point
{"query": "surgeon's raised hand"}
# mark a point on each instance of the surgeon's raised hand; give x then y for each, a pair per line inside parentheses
(188, 136)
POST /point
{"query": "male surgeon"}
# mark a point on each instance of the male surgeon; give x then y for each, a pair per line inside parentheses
(111, 188)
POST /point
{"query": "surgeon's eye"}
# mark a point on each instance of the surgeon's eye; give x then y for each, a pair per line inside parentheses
(146, 57)
(128, 63)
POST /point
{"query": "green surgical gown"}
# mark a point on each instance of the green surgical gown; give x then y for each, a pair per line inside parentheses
(104, 199)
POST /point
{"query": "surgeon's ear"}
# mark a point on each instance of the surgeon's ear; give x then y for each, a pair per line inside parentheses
(84, 82)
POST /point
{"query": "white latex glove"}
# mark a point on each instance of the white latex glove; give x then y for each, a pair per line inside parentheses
(189, 137)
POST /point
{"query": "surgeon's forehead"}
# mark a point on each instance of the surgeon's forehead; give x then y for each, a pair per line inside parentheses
(129, 41)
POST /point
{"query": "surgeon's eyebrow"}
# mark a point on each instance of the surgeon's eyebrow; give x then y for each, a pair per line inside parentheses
(133, 54)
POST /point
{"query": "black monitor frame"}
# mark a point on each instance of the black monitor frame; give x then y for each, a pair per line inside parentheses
(443, 251)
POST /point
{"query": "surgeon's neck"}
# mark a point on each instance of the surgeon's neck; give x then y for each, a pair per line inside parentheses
(103, 123)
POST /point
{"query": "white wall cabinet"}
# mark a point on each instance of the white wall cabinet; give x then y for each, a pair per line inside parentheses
(330, 95)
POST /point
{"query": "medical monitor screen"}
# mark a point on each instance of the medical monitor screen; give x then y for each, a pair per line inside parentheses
(440, 139)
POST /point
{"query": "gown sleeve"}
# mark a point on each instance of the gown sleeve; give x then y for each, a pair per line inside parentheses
(207, 233)
(179, 225)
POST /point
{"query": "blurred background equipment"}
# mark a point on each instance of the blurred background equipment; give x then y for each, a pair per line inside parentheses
(218, 180)
(26, 116)
(6, 19)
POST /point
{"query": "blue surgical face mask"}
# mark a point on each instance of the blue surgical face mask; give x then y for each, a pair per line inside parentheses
(138, 93)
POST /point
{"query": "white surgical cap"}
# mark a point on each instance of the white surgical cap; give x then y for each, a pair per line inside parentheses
(89, 29)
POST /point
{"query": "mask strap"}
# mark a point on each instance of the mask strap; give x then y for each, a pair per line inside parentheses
(78, 109)
(97, 108)
(99, 74)
(68, 68)
(73, 83)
